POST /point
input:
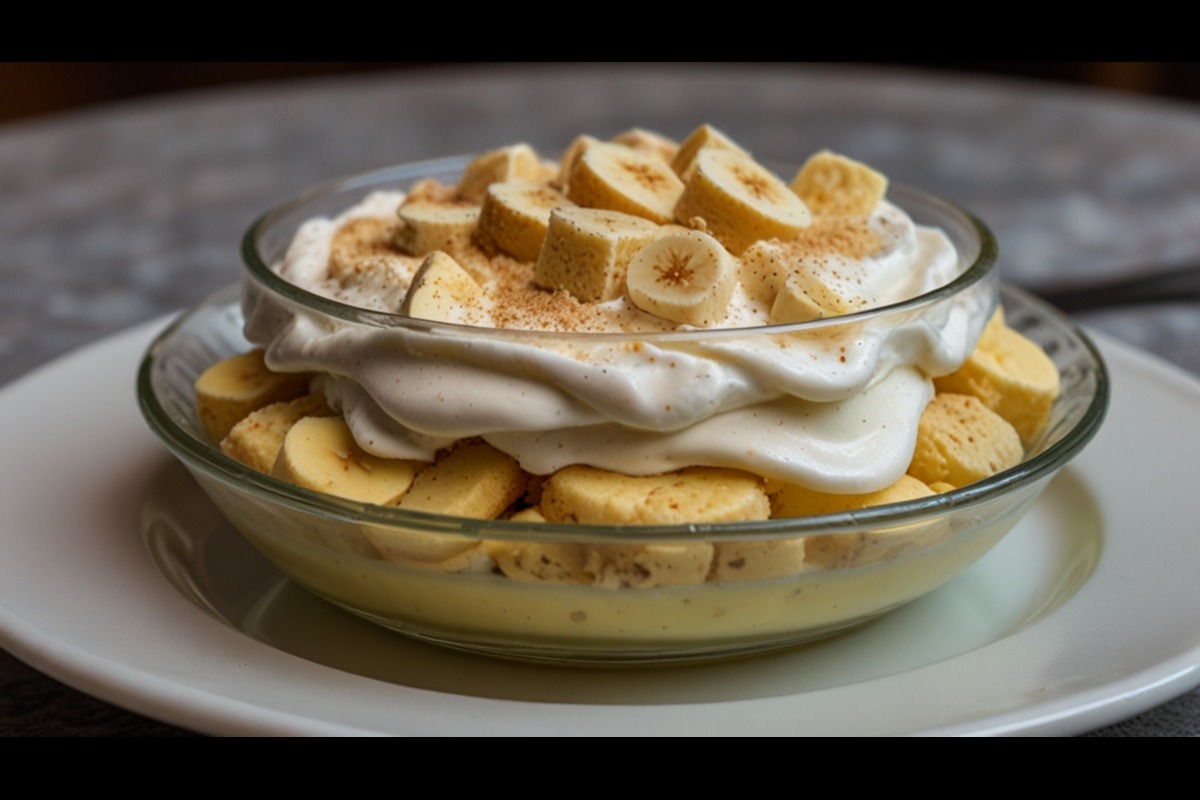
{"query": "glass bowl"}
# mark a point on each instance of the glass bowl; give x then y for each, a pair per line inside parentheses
(346, 552)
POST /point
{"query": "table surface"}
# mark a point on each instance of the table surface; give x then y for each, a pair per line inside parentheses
(115, 215)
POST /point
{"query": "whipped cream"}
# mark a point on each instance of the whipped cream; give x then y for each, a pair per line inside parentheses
(833, 406)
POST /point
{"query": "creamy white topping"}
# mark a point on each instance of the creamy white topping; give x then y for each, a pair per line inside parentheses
(832, 408)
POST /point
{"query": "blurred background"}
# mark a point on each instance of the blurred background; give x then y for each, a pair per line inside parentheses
(33, 88)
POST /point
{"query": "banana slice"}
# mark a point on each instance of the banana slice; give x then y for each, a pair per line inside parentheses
(737, 562)
(833, 184)
(587, 251)
(648, 566)
(474, 480)
(704, 136)
(1012, 376)
(961, 441)
(845, 549)
(320, 453)
(765, 267)
(688, 277)
(362, 244)
(256, 440)
(698, 494)
(795, 304)
(618, 178)
(648, 142)
(229, 390)
(444, 292)
(518, 162)
(569, 159)
(515, 217)
(740, 201)
(426, 226)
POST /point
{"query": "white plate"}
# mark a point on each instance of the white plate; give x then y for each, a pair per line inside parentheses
(1088, 613)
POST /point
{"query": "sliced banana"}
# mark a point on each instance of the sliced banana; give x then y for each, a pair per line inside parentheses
(648, 566)
(230, 389)
(687, 277)
(845, 549)
(763, 269)
(569, 158)
(443, 291)
(618, 178)
(740, 201)
(741, 561)
(255, 441)
(698, 494)
(793, 303)
(426, 226)
(961, 441)
(704, 136)
(515, 217)
(474, 480)
(319, 453)
(649, 142)
(833, 184)
(518, 162)
(587, 251)
(1011, 375)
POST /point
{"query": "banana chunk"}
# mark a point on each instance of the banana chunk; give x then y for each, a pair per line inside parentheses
(704, 136)
(846, 549)
(518, 162)
(648, 142)
(473, 480)
(961, 441)
(443, 291)
(648, 566)
(618, 178)
(737, 562)
(587, 251)
(1012, 376)
(515, 217)
(740, 201)
(698, 494)
(229, 390)
(687, 277)
(319, 453)
(833, 184)
(426, 226)
(256, 440)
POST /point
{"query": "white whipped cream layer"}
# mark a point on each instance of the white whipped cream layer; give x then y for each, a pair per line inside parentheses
(834, 408)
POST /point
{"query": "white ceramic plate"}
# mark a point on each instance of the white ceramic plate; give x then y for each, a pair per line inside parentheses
(119, 578)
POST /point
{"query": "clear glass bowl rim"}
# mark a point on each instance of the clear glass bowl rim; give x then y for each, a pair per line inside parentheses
(258, 270)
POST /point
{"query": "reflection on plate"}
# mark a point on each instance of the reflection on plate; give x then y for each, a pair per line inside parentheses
(1086, 614)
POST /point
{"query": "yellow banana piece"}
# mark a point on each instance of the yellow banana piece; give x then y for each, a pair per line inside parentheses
(426, 226)
(587, 251)
(833, 184)
(444, 292)
(515, 217)
(618, 178)
(319, 453)
(739, 201)
(687, 277)
(229, 390)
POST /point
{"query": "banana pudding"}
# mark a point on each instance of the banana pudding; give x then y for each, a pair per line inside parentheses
(645, 402)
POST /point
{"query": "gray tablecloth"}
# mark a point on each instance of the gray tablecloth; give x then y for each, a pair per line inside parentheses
(113, 216)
